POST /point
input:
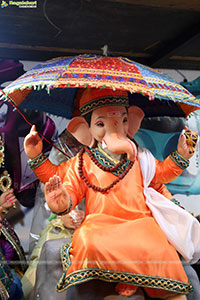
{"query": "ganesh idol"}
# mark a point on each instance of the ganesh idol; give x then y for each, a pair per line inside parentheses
(132, 234)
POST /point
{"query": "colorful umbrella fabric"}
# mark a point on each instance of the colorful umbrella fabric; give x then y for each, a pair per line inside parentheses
(53, 85)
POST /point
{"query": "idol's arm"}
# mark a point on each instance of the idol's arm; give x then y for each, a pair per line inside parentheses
(173, 166)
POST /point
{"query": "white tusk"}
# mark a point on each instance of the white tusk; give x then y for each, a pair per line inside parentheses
(104, 146)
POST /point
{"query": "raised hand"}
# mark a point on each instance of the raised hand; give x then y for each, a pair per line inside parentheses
(187, 143)
(32, 143)
(56, 195)
(7, 199)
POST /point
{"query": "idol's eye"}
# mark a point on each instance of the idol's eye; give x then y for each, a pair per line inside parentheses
(99, 124)
(125, 120)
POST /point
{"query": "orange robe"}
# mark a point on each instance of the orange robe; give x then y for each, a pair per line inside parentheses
(119, 240)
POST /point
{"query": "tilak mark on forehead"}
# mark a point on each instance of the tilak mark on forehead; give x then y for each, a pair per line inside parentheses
(114, 113)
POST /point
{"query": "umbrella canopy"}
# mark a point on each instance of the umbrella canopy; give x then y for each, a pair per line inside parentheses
(52, 86)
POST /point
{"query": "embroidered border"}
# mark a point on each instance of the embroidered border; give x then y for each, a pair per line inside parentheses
(64, 251)
(179, 160)
(37, 161)
(100, 102)
(104, 161)
(147, 281)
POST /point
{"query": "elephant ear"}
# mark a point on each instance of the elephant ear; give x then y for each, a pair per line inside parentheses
(135, 116)
(79, 128)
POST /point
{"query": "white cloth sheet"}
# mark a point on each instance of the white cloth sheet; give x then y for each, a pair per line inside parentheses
(180, 227)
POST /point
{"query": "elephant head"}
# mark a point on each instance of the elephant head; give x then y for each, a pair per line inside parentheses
(112, 123)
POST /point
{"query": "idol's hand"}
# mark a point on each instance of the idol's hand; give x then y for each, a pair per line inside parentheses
(32, 143)
(187, 143)
(68, 221)
(56, 195)
(74, 219)
(77, 217)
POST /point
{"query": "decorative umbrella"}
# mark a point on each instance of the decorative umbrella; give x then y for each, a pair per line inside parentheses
(52, 86)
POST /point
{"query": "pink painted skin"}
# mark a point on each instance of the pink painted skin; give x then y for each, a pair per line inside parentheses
(183, 147)
(33, 143)
(115, 123)
(109, 126)
(119, 145)
(74, 219)
(56, 195)
(132, 146)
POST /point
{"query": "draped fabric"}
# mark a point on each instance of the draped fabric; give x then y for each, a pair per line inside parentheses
(180, 227)
(119, 240)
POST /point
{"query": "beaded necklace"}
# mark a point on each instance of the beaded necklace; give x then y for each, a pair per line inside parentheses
(104, 168)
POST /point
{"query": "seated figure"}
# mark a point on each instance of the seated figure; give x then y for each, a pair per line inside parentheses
(126, 237)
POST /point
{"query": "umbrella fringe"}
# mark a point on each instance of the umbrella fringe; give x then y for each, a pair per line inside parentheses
(41, 86)
(141, 93)
(47, 88)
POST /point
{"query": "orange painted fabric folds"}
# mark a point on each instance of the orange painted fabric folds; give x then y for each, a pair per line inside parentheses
(119, 240)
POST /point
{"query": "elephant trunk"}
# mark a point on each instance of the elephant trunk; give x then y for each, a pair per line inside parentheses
(119, 144)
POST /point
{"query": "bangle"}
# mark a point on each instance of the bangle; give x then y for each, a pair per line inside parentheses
(176, 201)
(37, 161)
(181, 156)
(66, 211)
(179, 160)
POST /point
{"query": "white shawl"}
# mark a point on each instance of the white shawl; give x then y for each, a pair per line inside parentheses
(180, 227)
